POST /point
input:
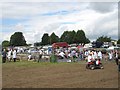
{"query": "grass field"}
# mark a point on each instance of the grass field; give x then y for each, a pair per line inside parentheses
(25, 74)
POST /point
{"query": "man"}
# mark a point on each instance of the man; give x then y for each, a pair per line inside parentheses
(14, 55)
(4, 55)
(100, 55)
(40, 55)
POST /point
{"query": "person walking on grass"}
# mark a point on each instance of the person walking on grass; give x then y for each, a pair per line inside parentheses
(14, 55)
(100, 55)
(40, 55)
(110, 56)
(4, 56)
(9, 55)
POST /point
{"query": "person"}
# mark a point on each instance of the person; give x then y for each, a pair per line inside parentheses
(116, 57)
(29, 57)
(110, 56)
(14, 55)
(89, 57)
(73, 54)
(86, 53)
(119, 63)
(4, 55)
(95, 55)
(81, 56)
(40, 55)
(62, 55)
(118, 60)
(29, 51)
(9, 55)
(100, 55)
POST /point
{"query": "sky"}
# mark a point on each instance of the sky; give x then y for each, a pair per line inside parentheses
(36, 18)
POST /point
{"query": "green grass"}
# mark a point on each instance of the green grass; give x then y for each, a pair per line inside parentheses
(35, 64)
(25, 63)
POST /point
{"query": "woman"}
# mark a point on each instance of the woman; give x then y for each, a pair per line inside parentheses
(9, 55)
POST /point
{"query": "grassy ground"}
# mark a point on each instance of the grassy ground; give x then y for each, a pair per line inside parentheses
(26, 74)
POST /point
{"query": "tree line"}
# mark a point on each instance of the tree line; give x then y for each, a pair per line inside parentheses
(79, 37)
(68, 36)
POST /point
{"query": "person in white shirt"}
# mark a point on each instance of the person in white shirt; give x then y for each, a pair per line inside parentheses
(69, 55)
(100, 55)
(40, 55)
(89, 58)
(95, 55)
(29, 51)
(110, 56)
(29, 57)
(14, 55)
(9, 55)
(62, 54)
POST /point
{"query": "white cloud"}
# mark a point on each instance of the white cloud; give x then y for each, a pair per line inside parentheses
(19, 27)
(105, 25)
(40, 18)
(103, 7)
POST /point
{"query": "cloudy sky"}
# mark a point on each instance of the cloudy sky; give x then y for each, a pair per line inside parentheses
(36, 18)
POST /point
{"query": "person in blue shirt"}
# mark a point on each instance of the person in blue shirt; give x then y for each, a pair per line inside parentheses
(4, 56)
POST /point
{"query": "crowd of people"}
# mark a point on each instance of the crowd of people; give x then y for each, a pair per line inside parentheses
(62, 53)
(83, 55)
(71, 55)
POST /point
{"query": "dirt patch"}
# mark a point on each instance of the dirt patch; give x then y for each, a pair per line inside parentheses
(61, 75)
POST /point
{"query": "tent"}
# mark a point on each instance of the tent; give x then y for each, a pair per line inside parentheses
(60, 44)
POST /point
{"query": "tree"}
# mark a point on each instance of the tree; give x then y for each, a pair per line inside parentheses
(73, 37)
(87, 41)
(81, 38)
(45, 39)
(5, 43)
(104, 39)
(68, 36)
(53, 38)
(17, 39)
(64, 37)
